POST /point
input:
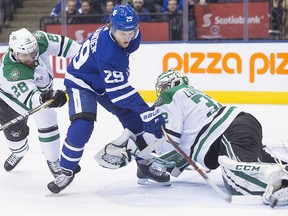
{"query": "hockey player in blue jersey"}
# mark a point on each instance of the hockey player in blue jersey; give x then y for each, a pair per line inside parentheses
(99, 73)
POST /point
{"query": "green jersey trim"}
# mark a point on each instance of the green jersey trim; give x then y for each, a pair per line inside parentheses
(14, 100)
(212, 129)
(166, 96)
(67, 47)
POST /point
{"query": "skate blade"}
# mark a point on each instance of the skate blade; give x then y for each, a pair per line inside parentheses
(149, 182)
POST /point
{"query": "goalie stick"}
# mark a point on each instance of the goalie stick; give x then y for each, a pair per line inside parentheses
(222, 194)
(25, 115)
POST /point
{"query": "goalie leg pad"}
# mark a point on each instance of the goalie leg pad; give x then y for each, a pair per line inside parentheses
(241, 178)
(172, 162)
(256, 179)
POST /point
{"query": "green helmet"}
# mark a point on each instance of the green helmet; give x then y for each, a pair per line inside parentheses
(170, 79)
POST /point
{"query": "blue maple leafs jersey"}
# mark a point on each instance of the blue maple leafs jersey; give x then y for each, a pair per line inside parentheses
(102, 66)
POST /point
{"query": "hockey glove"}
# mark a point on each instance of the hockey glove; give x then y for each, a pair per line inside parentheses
(59, 97)
(152, 121)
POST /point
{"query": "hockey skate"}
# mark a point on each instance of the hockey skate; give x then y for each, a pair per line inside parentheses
(147, 175)
(54, 167)
(12, 162)
(62, 180)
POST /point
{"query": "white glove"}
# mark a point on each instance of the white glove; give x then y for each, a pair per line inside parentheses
(113, 156)
(274, 193)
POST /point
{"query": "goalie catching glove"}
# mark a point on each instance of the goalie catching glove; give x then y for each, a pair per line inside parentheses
(58, 96)
(121, 151)
(114, 156)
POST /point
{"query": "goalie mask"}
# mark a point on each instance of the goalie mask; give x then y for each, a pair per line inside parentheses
(170, 79)
(24, 46)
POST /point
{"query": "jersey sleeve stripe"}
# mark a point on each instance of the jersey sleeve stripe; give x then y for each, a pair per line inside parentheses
(61, 45)
(67, 47)
(77, 81)
(117, 88)
(123, 96)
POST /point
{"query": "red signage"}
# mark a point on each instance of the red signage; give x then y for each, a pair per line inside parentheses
(227, 21)
(59, 66)
(155, 31)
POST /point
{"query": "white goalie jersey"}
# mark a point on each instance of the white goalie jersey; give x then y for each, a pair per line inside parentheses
(194, 120)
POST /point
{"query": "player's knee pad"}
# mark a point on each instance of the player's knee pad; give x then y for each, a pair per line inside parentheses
(80, 132)
(45, 118)
(17, 132)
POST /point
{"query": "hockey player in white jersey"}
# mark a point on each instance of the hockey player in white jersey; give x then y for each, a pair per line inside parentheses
(26, 81)
(212, 135)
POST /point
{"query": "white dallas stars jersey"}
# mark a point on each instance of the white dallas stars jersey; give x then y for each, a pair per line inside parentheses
(193, 119)
(20, 86)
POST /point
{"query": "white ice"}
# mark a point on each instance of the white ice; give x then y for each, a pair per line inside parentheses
(99, 191)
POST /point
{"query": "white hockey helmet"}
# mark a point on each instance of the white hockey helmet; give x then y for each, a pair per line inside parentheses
(170, 79)
(23, 45)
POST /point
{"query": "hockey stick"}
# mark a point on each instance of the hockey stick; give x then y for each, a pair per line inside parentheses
(222, 194)
(25, 115)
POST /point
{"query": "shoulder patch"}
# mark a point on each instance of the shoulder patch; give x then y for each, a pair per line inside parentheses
(14, 75)
(38, 35)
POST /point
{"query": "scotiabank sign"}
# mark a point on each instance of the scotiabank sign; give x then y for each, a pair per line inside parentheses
(227, 20)
(155, 31)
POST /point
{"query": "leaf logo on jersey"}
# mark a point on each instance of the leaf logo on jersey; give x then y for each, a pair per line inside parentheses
(14, 75)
